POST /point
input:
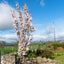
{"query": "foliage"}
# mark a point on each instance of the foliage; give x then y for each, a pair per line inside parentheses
(55, 45)
(31, 55)
(44, 43)
(43, 53)
(49, 46)
(39, 45)
(33, 47)
(47, 53)
(8, 50)
(39, 52)
(62, 45)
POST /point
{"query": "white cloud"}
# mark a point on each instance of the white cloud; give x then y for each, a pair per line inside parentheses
(8, 38)
(48, 34)
(6, 20)
(42, 3)
(39, 38)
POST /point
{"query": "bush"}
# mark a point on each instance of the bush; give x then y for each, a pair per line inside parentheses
(62, 45)
(44, 43)
(39, 52)
(49, 46)
(47, 53)
(59, 54)
(31, 55)
(55, 45)
(39, 45)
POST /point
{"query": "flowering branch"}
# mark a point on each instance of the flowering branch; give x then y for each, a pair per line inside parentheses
(25, 34)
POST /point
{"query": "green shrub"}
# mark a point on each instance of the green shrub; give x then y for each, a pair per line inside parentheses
(39, 52)
(49, 46)
(44, 43)
(39, 45)
(62, 45)
(47, 53)
(55, 45)
(31, 55)
(59, 54)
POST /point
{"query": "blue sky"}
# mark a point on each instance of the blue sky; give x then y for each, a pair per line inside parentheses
(44, 12)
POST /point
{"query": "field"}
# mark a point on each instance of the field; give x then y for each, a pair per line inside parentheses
(35, 47)
(11, 49)
(8, 50)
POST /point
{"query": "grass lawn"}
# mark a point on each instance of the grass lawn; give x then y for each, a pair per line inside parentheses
(60, 57)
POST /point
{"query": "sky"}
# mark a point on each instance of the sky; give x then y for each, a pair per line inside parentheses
(44, 12)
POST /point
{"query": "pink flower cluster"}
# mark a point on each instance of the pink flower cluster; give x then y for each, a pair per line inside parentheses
(25, 34)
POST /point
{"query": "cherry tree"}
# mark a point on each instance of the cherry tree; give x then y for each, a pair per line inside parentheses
(23, 29)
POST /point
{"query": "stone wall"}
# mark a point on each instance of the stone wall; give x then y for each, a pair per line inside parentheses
(37, 60)
(10, 59)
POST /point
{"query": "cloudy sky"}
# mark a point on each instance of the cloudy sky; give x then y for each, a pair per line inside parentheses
(44, 12)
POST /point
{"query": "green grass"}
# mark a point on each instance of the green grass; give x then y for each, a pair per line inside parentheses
(60, 63)
(59, 57)
(8, 50)
(11, 49)
(35, 47)
(57, 51)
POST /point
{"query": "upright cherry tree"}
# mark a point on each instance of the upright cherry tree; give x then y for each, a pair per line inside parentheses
(23, 29)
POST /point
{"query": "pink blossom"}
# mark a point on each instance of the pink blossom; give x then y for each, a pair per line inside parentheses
(27, 48)
(24, 53)
(24, 34)
(30, 19)
(28, 43)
